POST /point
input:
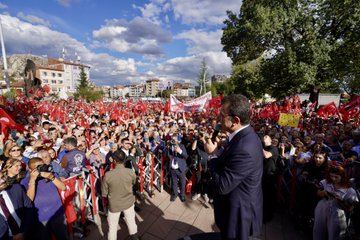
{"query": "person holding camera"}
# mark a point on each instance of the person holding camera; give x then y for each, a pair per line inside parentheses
(177, 155)
(42, 188)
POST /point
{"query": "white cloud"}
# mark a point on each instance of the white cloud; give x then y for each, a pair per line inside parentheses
(204, 11)
(3, 6)
(22, 37)
(151, 12)
(65, 3)
(33, 19)
(200, 41)
(188, 68)
(137, 36)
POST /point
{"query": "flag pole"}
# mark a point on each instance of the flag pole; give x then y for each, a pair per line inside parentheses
(6, 73)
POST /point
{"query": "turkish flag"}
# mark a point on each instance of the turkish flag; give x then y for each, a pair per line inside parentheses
(67, 197)
(5, 120)
(46, 88)
(328, 110)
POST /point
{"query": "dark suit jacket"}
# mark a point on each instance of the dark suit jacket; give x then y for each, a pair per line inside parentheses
(181, 158)
(23, 208)
(236, 176)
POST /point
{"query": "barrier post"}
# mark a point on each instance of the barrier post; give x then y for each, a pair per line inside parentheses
(162, 173)
(82, 199)
(141, 170)
(93, 192)
(152, 174)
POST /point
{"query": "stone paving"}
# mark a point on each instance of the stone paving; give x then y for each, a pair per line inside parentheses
(160, 219)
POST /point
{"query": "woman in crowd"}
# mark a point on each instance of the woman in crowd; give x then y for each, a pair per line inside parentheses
(15, 152)
(12, 171)
(332, 211)
(307, 199)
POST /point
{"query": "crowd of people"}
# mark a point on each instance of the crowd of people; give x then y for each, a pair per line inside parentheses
(46, 147)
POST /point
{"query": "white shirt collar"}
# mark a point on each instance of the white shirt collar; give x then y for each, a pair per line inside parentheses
(234, 133)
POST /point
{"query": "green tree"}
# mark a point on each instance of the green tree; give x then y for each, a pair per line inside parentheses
(85, 90)
(83, 80)
(297, 43)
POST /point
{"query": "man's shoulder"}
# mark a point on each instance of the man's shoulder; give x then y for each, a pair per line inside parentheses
(14, 189)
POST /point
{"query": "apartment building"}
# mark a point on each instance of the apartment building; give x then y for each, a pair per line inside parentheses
(184, 90)
(52, 76)
(152, 87)
(71, 72)
(136, 90)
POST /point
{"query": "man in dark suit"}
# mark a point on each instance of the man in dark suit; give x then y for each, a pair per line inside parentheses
(236, 173)
(177, 155)
(17, 214)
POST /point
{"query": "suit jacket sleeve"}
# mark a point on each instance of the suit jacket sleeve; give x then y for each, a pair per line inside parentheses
(227, 177)
(28, 211)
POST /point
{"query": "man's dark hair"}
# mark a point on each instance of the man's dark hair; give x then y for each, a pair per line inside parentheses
(239, 106)
(71, 141)
(51, 129)
(45, 123)
(119, 156)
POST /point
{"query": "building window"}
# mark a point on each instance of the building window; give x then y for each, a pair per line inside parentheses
(53, 81)
(61, 81)
(68, 87)
(45, 81)
(53, 74)
(44, 73)
(59, 74)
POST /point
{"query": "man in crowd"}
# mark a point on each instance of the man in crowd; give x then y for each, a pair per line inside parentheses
(237, 172)
(43, 189)
(74, 160)
(178, 167)
(17, 214)
(271, 155)
(117, 186)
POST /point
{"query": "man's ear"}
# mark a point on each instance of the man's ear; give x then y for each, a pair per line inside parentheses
(236, 119)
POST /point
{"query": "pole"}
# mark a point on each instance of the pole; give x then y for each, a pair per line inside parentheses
(204, 81)
(6, 73)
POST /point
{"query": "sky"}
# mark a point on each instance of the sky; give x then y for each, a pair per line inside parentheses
(124, 42)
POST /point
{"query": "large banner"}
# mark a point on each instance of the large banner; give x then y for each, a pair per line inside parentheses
(195, 105)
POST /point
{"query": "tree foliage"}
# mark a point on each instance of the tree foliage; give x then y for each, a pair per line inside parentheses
(85, 90)
(296, 44)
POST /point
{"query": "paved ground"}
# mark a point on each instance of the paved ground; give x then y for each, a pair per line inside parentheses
(160, 219)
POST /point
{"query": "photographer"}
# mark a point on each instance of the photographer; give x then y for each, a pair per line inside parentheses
(42, 188)
(199, 160)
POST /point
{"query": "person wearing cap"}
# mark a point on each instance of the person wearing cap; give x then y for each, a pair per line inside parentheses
(96, 158)
(117, 187)
(130, 152)
(74, 160)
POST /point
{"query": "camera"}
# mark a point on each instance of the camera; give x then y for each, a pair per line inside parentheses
(44, 168)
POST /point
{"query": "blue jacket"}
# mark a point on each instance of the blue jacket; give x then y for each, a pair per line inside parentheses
(236, 176)
(181, 158)
(23, 208)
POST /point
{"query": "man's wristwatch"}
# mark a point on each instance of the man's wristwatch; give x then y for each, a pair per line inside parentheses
(212, 156)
